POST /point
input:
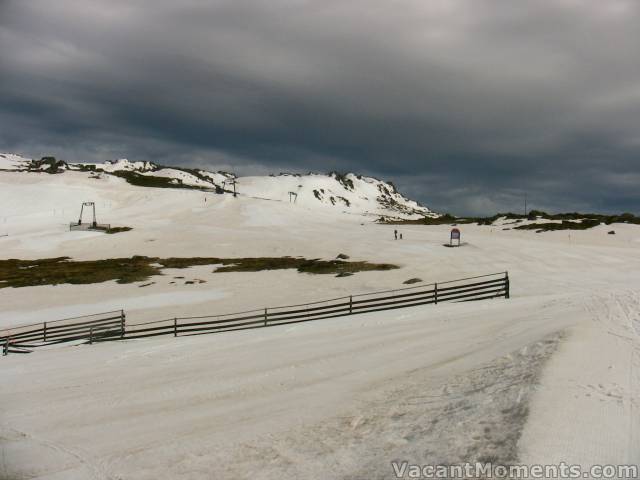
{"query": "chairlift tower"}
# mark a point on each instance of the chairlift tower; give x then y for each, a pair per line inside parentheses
(232, 182)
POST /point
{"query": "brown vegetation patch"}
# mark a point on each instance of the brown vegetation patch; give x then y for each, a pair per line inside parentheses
(61, 270)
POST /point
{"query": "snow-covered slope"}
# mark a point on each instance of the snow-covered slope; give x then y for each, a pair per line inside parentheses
(123, 165)
(348, 193)
(10, 161)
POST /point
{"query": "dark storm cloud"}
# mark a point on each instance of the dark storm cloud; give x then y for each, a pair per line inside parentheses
(466, 104)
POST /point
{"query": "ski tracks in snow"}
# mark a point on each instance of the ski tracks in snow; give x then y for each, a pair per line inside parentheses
(86, 467)
(590, 389)
(619, 314)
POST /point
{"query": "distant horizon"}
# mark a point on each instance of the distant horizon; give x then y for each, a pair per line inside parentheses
(465, 105)
(514, 211)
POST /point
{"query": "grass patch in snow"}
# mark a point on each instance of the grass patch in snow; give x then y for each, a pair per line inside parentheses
(113, 230)
(569, 220)
(303, 265)
(565, 225)
(54, 271)
(60, 270)
(139, 180)
(441, 220)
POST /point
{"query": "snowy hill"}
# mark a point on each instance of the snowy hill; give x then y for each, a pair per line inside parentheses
(348, 193)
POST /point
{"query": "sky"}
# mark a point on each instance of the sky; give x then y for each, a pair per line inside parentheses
(466, 105)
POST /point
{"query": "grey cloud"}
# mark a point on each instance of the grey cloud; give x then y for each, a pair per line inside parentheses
(466, 104)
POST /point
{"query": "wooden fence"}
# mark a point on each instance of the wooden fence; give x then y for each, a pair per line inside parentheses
(112, 326)
(86, 328)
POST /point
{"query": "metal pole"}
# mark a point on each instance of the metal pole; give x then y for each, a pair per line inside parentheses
(265, 317)
(44, 332)
(5, 347)
(122, 323)
(350, 304)
(435, 292)
(175, 327)
(506, 284)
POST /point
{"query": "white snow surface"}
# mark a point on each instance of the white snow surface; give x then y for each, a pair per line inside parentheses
(351, 193)
(10, 161)
(551, 374)
(355, 194)
(123, 164)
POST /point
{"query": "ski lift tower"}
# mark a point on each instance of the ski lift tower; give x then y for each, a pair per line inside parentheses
(94, 224)
(232, 182)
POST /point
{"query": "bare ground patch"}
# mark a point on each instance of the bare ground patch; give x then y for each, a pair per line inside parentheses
(60, 270)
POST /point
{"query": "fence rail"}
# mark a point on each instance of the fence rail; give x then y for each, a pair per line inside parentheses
(110, 326)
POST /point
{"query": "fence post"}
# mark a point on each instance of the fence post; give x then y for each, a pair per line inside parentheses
(122, 323)
(175, 327)
(265, 317)
(506, 284)
(350, 304)
(44, 332)
(435, 293)
(5, 347)
(90, 335)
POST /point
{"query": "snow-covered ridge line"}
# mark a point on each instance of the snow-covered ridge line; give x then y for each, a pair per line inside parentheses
(349, 192)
